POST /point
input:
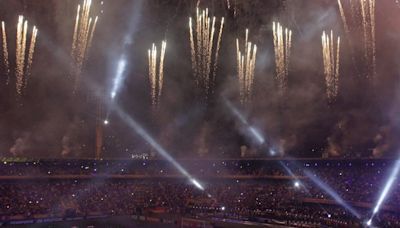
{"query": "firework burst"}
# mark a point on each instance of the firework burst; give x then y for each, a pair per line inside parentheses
(32, 46)
(84, 31)
(156, 80)
(23, 65)
(204, 55)
(331, 59)
(365, 8)
(5, 51)
(246, 62)
(282, 47)
(368, 15)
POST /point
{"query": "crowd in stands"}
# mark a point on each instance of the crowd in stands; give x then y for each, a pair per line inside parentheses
(280, 196)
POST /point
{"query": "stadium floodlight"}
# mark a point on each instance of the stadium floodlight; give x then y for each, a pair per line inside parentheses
(386, 190)
(152, 142)
(105, 122)
(297, 184)
(331, 192)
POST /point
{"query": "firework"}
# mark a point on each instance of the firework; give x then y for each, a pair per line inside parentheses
(246, 62)
(75, 35)
(342, 14)
(30, 54)
(218, 47)
(19, 57)
(282, 47)
(84, 31)
(331, 59)
(5, 51)
(23, 66)
(204, 62)
(156, 80)
(365, 8)
(91, 35)
(368, 15)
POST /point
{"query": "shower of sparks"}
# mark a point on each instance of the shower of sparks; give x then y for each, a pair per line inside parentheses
(23, 65)
(331, 59)
(91, 36)
(282, 47)
(246, 62)
(202, 48)
(5, 51)
(368, 16)
(156, 80)
(20, 53)
(343, 15)
(221, 28)
(362, 14)
(84, 31)
(30, 55)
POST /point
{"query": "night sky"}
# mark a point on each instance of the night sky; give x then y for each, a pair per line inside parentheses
(50, 121)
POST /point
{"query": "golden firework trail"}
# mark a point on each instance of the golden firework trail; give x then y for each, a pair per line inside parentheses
(32, 46)
(246, 62)
(343, 15)
(331, 59)
(19, 67)
(368, 15)
(221, 28)
(204, 55)
(91, 35)
(156, 80)
(282, 48)
(75, 35)
(362, 15)
(84, 31)
(5, 51)
(23, 65)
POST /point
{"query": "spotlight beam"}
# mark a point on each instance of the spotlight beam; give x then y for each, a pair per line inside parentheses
(256, 134)
(119, 77)
(148, 138)
(120, 71)
(386, 190)
(260, 139)
(331, 192)
(236, 112)
(290, 172)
